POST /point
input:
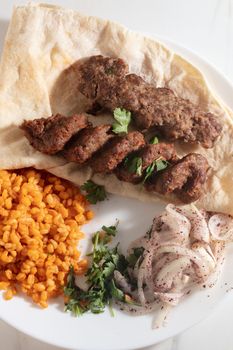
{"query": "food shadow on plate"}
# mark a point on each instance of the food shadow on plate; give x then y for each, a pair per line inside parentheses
(57, 302)
(28, 300)
(3, 30)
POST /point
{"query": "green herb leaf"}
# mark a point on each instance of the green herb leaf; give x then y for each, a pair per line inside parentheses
(154, 140)
(149, 170)
(110, 308)
(116, 292)
(70, 284)
(109, 269)
(138, 251)
(71, 291)
(105, 261)
(95, 193)
(122, 264)
(133, 258)
(97, 305)
(74, 307)
(123, 119)
(100, 277)
(110, 230)
(134, 165)
(160, 164)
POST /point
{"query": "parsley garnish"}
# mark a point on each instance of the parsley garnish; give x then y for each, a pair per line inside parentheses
(134, 165)
(160, 164)
(154, 140)
(95, 193)
(110, 230)
(149, 170)
(102, 288)
(133, 258)
(116, 292)
(123, 119)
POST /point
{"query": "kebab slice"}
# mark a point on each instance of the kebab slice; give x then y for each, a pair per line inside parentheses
(86, 143)
(49, 135)
(134, 168)
(106, 81)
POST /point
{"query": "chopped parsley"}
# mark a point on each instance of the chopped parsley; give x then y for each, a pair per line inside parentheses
(159, 164)
(149, 170)
(94, 193)
(101, 286)
(123, 119)
(133, 257)
(116, 292)
(110, 230)
(134, 165)
(154, 140)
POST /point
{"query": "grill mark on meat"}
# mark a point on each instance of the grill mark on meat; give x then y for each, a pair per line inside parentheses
(186, 178)
(78, 141)
(49, 135)
(115, 152)
(107, 81)
(87, 143)
(148, 154)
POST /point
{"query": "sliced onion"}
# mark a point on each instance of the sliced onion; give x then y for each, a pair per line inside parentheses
(200, 230)
(206, 255)
(217, 248)
(138, 309)
(141, 278)
(122, 282)
(159, 320)
(165, 259)
(202, 266)
(221, 227)
(186, 247)
(176, 227)
(165, 278)
(172, 298)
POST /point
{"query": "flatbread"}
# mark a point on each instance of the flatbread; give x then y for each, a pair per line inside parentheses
(43, 41)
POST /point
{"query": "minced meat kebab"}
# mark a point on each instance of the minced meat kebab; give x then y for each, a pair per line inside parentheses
(129, 157)
(107, 82)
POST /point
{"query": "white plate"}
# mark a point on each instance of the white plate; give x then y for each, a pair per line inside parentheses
(104, 332)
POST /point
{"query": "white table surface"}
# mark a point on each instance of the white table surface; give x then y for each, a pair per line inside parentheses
(206, 27)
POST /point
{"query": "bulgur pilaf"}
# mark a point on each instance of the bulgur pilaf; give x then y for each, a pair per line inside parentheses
(40, 220)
